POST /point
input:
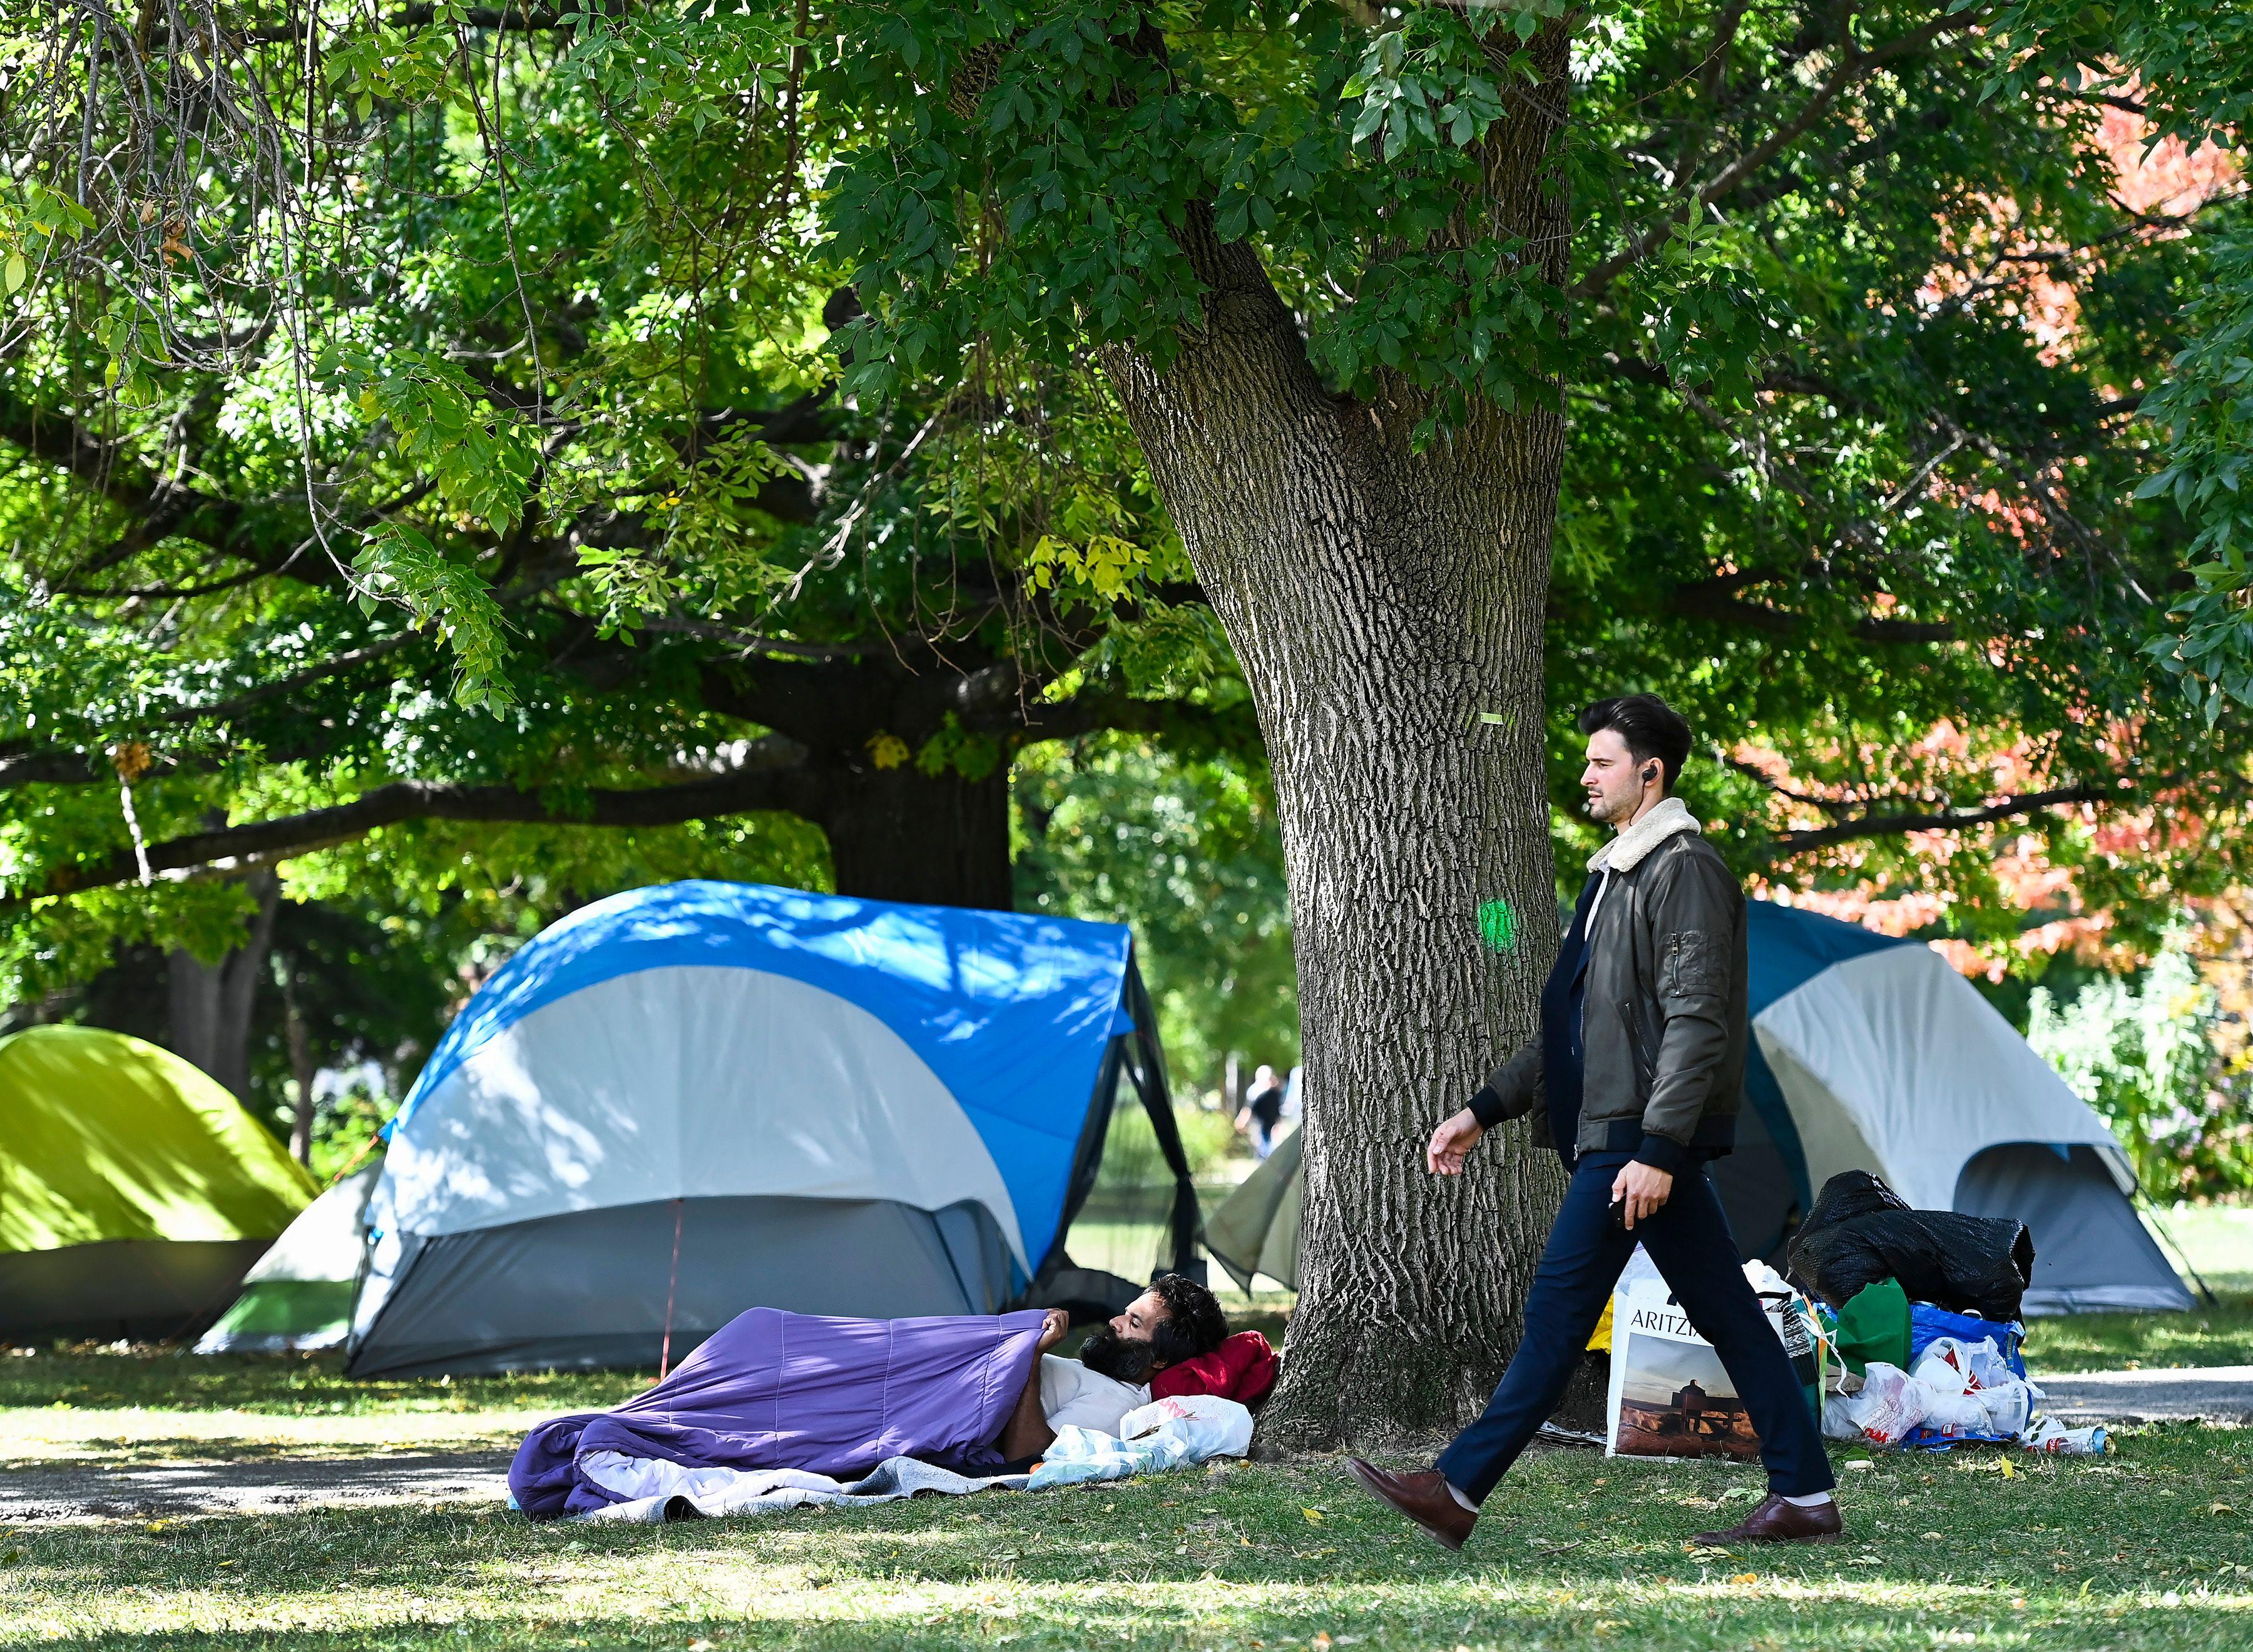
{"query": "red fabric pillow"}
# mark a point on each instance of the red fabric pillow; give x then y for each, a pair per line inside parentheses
(1242, 1369)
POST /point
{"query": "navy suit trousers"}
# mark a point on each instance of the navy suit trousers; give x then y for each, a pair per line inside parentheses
(1688, 1238)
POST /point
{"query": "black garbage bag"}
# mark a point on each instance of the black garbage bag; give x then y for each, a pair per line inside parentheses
(1861, 1230)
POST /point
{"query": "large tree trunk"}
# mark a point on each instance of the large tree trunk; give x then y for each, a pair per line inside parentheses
(900, 835)
(303, 1070)
(210, 1004)
(1380, 601)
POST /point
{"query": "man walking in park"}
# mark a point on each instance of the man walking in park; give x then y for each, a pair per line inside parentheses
(1635, 1079)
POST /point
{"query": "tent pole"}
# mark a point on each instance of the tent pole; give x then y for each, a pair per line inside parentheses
(2151, 1208)
(672, 1278)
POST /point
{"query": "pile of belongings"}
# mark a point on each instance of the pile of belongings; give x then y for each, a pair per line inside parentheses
(1920, 1310)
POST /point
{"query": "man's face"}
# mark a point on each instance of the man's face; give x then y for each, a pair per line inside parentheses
(1121, 1350)
(1140, 1323)
(1611, 780)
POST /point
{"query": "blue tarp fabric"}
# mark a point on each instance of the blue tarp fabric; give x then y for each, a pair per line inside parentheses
(1012, 1012)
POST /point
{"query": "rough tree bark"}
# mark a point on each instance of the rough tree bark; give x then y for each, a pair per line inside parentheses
(210, 1004)
(899, 834)
(1380, 600)
(302, 1069)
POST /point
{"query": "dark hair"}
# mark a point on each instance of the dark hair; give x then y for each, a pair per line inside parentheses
(1650, 727)
(1194, 1325)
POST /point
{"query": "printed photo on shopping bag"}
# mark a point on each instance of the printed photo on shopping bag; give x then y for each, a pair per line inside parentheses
(1676, 1400)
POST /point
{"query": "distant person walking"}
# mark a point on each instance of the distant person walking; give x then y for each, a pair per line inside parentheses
(1633, 1079)
(1262, 1110)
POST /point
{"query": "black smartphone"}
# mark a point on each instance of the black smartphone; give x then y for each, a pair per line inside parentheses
(1619, 1215)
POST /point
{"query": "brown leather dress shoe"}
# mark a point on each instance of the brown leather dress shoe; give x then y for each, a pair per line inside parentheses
(1776, 1521)
(1423, 1497)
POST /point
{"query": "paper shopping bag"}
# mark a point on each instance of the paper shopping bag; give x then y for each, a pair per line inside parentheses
(1670, 1396)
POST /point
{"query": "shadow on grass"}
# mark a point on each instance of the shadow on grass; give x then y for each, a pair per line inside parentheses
(2147, 1549)
(94, 1453)
(261, 1480)
(94, 1377)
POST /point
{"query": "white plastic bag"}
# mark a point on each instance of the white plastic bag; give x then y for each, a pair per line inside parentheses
(1955, 1414)
(1891, 1403)
(1974, 1393)
(2010, 1406)
(1079, 1454)
(1765, 1280)
(1968, 1365)
(1205, 1424)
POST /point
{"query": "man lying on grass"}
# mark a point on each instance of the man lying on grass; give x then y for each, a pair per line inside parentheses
(976, 1393)
(1176, 1321)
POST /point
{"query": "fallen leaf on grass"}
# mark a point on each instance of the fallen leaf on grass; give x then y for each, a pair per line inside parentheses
(2220, 1509)
(1314, 1514)
(1746, 1576)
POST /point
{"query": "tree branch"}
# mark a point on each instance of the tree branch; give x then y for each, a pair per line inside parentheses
(1853, 67)
(1180, 722)
(1712, 600)
(158, 505)
(505, 20)
(1790, 843)
(22, 764)
(774, 775)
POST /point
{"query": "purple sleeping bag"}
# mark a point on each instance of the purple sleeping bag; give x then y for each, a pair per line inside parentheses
(771, 1389)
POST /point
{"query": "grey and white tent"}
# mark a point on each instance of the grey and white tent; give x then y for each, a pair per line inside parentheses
(1871, 1052)
(297, 1298)
(690, 1100)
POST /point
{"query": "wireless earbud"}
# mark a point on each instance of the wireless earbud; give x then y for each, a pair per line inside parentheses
(1649, 774)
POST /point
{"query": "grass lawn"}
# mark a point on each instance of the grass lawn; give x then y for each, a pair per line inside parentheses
(2147, 1549)
(2151, 1547)
(2219, 1241)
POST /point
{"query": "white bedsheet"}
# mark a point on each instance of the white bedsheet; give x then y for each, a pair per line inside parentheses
(657, 1491)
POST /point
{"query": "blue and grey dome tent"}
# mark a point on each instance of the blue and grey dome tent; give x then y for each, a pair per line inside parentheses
(688, 1100)
(1871, 1052)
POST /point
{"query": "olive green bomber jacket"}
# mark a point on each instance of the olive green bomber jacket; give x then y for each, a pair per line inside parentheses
(1663, 1023)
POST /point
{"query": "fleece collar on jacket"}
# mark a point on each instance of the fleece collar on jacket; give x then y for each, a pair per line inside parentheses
(1625, 851)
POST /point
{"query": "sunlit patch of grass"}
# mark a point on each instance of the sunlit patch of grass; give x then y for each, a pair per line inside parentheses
(2147, 1549)
(2219, 1335)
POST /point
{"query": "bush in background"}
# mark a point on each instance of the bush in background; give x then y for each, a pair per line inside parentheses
(2143, 1054)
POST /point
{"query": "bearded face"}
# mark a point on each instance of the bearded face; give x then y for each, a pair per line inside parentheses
(1108, 1354)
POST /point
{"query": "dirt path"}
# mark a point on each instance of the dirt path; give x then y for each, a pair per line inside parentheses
(2214, 1394)
(263, 1485)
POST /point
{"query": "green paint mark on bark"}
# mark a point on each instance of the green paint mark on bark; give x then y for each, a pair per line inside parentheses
(1499, 925)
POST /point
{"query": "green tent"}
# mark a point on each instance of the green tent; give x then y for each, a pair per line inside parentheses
(135, 1191)
(299, 1297)
(1256, 1229)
